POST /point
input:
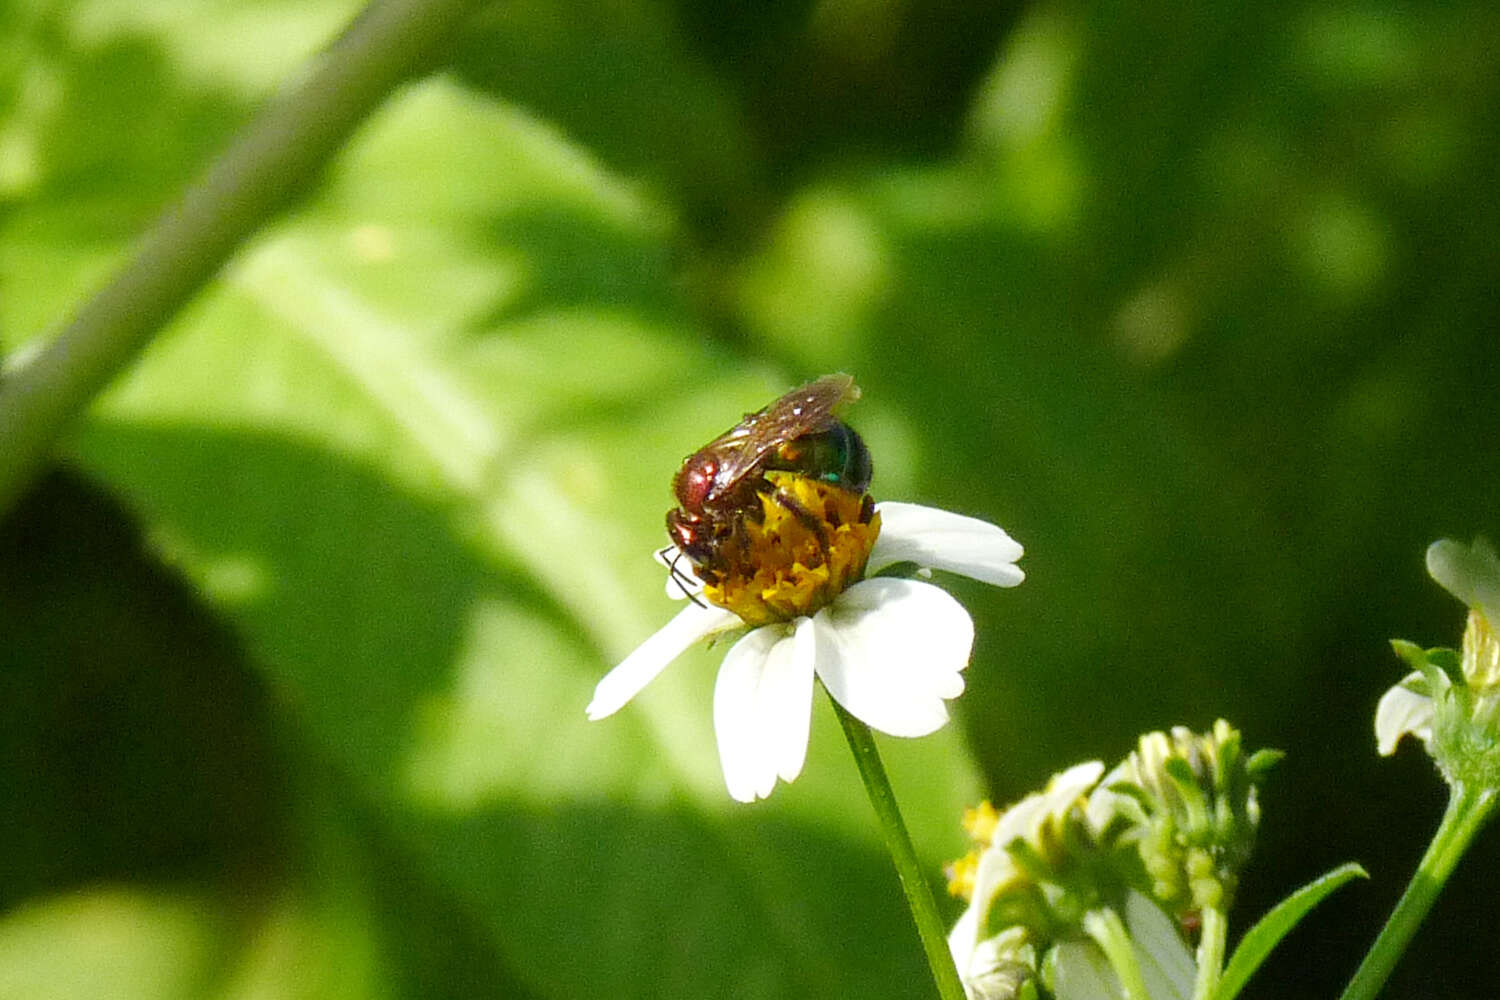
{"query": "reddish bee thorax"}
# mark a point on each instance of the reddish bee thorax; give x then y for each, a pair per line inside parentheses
(694, 481)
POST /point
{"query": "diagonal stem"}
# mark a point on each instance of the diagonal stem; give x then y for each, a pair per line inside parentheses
(1468, 810)
(1108, 931)
(898, 842)
(278, 155)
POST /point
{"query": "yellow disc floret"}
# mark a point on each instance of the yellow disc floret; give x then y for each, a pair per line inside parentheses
(961, 874)
(979, 823)
(812, 542)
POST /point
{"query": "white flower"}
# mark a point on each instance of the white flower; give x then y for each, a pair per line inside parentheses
(891, 651)
(1077, 968)
(1023, 821)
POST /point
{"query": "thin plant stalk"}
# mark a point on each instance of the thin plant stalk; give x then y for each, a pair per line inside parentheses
(1466, 814)
(913, 882)
(1108, 931)
(276, 157)
(1210, 955)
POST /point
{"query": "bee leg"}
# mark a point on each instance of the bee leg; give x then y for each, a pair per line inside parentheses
(807, 518)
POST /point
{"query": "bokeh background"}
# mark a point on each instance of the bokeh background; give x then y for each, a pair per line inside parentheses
(1197, 300)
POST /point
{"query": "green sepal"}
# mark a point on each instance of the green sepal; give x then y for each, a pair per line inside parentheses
(1190, 794)
(1261, 763)
(1449, 661)
(1135, 793)
(1430, 663)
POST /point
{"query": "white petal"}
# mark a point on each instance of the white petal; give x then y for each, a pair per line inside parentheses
(891, 651)
(682, 582)
(962, 941)
(763, 708)
(1025, 818)
(1470, 573)
(995, 867)
(940, 539)
(1403, 710)
(1166, 964)
(1081, 972)
(1105, 803)
(652, 656)
(1062, 792)
(1064, 788)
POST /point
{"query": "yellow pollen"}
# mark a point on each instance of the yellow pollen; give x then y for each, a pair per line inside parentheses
(961, 875)
(810, 545)
(980, 821)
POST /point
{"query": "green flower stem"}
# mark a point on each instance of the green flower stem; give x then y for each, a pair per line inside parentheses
(898, 842)
(1210, 956)
(1108, 932)
(277, 156)
(1467, 811)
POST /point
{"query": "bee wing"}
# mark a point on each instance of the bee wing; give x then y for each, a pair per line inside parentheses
(803, 410)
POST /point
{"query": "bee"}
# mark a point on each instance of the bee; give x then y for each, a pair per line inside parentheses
(719, 486)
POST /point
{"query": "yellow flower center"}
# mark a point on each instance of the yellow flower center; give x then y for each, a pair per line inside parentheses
(813, 542)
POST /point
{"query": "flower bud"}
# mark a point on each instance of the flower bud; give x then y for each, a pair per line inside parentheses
(1190, 803)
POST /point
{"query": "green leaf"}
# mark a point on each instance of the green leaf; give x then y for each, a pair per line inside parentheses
(83, 86)
(111, 942)
(130, 943)
(1259, 941)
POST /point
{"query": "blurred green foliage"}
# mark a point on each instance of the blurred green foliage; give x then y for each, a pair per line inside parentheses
(1198, 302)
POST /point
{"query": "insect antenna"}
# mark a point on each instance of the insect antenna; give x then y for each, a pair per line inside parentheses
(685, 583)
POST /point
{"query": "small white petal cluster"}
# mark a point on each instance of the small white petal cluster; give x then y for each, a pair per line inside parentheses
(1021, 821)
(891, 651)
(1078, 967)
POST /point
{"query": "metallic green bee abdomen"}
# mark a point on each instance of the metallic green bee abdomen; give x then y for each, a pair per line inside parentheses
(837, 455)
